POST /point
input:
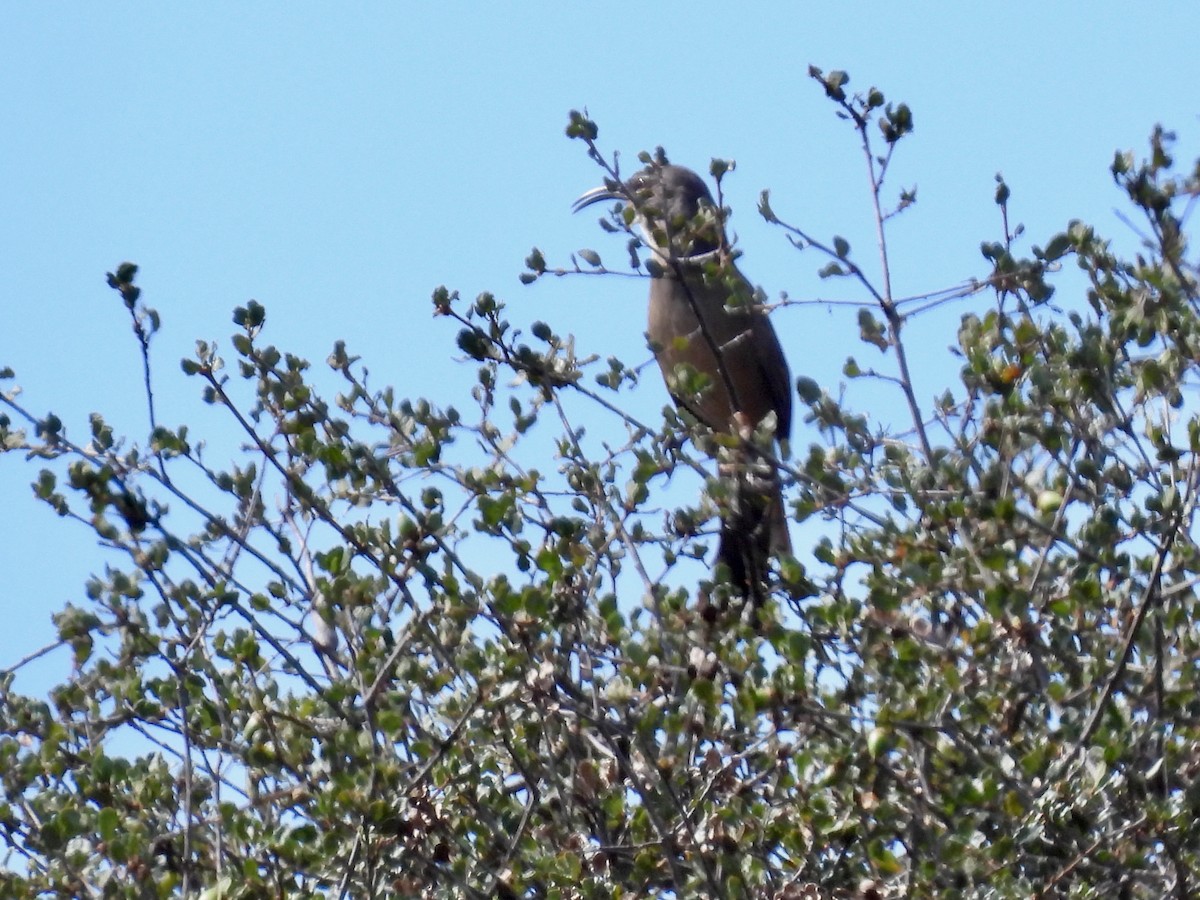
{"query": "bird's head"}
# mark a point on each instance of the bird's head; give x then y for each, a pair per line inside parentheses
(673, 207)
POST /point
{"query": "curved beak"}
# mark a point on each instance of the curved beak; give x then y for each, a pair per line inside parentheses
(595, 195)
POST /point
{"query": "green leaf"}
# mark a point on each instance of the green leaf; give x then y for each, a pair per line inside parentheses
(808, 389)
(1056, 248)
(581, 127)
(107, 823)
(871, 330)
(1002, 192)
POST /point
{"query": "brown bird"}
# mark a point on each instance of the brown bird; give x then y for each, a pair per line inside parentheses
(704, 318)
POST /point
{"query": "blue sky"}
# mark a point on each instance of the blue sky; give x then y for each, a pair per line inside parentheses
(337, 163)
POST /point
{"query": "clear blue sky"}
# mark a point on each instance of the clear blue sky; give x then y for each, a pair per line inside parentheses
(338, 162)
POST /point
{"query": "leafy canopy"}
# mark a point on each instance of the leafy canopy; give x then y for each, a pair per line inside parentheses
(397, 648)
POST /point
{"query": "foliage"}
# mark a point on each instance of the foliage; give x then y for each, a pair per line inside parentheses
(392, 652)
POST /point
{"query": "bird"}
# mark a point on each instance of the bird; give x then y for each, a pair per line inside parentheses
(704, 318)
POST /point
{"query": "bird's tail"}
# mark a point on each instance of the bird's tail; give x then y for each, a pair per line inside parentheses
(753, 529)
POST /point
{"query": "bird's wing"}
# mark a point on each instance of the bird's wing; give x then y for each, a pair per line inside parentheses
(775, 376)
